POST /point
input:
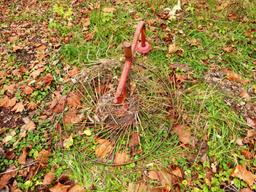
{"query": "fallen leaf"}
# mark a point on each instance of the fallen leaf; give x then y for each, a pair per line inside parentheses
(239, 141)
(27, 90)
(7, 102)
(16, 48)
(232, 16)
(244, 94)
(67, 143)
(251, 122)
(86, 22)
(232, 76)
(108, 10)
(76, 188)
(32, 105)
(222, 5)
(47, 79)
(89, 36)
(59, 188)
(194, 42)
(247, 154)
(19, 107)
(121, 158)
(246, 190)
(135, 139)
(43, 157)
(29, 124)
(138, 187)
(73, 100)
(37, 72)
(41, 47)
(23, 157)
(173, 48)
(73, 72)
(162, 176)
(153, 175)
(251, 133)
(49, 177)
(228, 49)
(177, 172)
(58, 103)
(183, 133)
(71, 117)
(12, 39)
(10, 88)
(103, 149)
(7, 176)
(242, 173)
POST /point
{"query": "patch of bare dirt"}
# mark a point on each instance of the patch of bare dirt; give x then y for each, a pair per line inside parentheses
(9, 119)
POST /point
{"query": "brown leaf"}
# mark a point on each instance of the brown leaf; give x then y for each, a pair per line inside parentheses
(29, 124)
(47, 79)
(251, 122)
(244, 94)
(7, 102)
(37, 72)
(41, 47)
(86, 22)
(228, 49)
(32, 105)
(251, 133)
(162, 176)
(173, 48)
(108, 10)
(89, 36)
(19, 107)
(232, 76)
(242, 173)
(71, 117)
(135, 139)
(73, 100)
(43, 157)
(16, 48)
(121, 158)
(103, 149)
(76, 188)
(232, 16)
(177, 172)
(138, 187)
(27, 90)
(10, 88)
(59, 188)
(183, 133)
(153, 175)
(58, 103)
(49, 177)
(23, 157)
(73, 72)
(7, 176)
(194, 42)
(246, 190)
(247, 154)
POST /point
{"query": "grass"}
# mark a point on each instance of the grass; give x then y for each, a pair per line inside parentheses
(202, 106)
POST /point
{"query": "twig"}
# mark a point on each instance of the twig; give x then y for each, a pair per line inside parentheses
(17, 169)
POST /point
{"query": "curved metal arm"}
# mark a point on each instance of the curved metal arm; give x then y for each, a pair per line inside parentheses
(142, 47)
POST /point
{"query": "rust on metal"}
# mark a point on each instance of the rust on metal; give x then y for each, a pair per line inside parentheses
(139, 44)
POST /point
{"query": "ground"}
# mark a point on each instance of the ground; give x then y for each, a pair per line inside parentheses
(206, 52)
